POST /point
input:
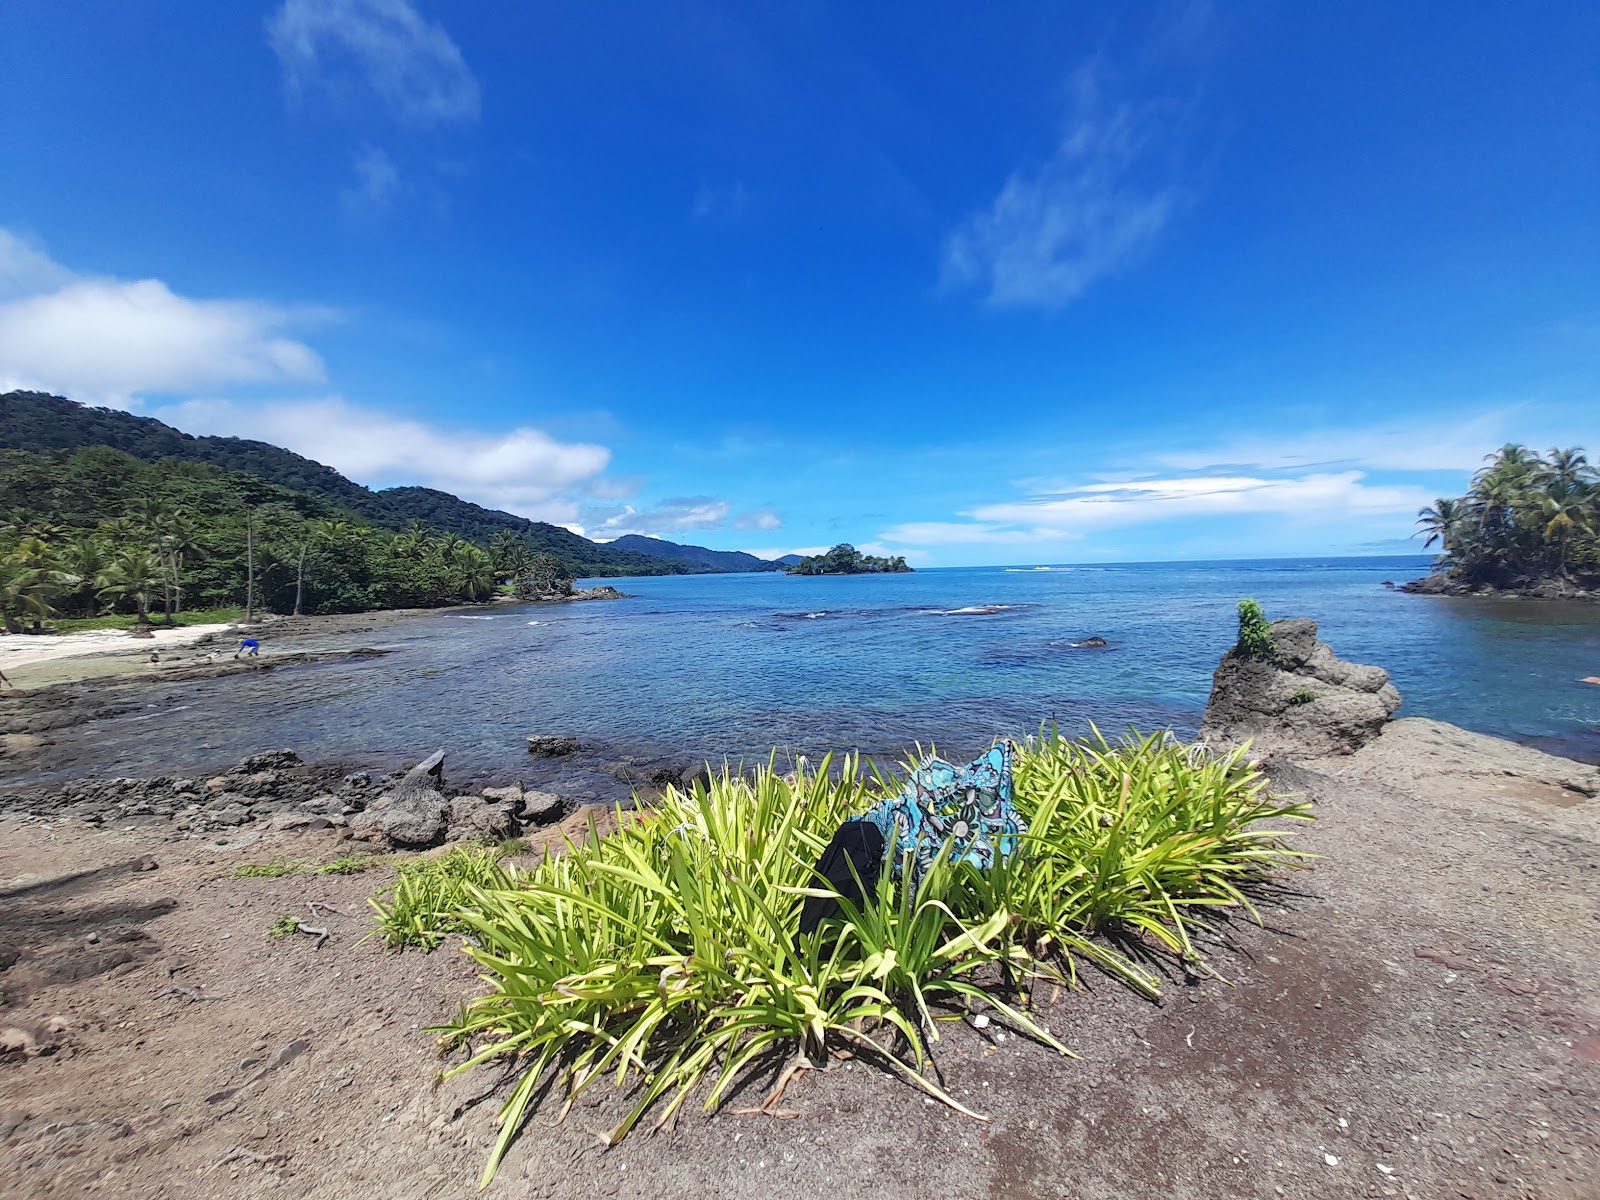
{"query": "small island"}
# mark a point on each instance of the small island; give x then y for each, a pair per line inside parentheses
(1529, 525)
(845, 559)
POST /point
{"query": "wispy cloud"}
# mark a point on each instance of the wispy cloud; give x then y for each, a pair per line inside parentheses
(524, 471)
(763, 519)
(377, 180)
(1071, 514)
(341, 48)
(1102, 197)
(109, 340)
(673, 515)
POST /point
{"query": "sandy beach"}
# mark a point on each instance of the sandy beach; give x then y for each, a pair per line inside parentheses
(35, 660)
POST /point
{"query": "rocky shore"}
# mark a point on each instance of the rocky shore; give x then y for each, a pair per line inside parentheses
(1445, 583)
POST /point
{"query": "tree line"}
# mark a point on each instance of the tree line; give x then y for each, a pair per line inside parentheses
(1526, 516)
(100, 532)
(845, 559)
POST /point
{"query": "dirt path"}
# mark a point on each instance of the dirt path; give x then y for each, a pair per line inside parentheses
(1421, 1017)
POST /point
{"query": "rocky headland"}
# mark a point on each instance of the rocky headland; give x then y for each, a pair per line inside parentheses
(1450, 583)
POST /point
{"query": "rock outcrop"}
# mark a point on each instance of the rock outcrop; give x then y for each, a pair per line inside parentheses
(1303, 701)
(415, 813)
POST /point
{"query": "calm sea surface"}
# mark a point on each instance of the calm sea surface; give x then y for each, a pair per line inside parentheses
(734, 665)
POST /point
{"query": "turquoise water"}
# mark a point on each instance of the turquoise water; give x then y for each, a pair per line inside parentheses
(716, 665)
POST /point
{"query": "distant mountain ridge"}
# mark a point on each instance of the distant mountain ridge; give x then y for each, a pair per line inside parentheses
(42, 423)
(718, 560)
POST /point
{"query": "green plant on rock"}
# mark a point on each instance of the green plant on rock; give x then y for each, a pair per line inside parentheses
(1255, 635)
(284, 926)
(666, 952)
(1303, 696)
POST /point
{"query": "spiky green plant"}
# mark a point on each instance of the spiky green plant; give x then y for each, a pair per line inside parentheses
(429, 894)
(666, 952)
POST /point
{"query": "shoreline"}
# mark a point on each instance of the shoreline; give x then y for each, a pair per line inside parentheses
(1442, 584)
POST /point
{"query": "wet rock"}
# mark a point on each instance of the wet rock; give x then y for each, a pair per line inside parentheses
(551, 745)
(271, 760)
(1091, 643)
(1303, 700)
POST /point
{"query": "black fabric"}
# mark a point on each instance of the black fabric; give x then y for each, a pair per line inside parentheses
(856, 843)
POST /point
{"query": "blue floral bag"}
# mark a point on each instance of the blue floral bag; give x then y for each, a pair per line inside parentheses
(969, 807)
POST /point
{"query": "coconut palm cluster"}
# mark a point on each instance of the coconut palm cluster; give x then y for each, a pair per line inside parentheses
(159, 559)
(1526, 517)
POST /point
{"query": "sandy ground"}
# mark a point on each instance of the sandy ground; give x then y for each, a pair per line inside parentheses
(21, 654)
(1420, 1017)
(36, 661)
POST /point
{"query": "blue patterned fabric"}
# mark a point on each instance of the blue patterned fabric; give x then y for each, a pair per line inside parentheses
(969, 807)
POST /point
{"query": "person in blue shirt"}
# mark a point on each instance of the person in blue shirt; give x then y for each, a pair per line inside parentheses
(249, 647)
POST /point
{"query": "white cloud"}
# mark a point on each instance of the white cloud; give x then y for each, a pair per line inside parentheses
(963, 533)
(382, 46)
(762, 519)
(1316, 499)
(524, 471)
(377, 180)
(1457, 443)
(671, 515)
(26, 270)
(109, 339)
(1102, 197)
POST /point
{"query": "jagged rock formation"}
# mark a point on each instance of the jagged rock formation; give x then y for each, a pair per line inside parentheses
(415, 813)
(1301, 701)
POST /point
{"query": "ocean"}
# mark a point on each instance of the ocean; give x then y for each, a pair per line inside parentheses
(735, 666)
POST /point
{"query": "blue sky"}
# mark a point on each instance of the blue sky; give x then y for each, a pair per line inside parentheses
(1043, 283)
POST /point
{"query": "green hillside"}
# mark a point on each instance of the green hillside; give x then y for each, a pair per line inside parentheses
(699, 556)
(37, 422)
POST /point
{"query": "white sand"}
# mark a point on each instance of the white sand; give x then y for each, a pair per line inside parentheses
(22, 649)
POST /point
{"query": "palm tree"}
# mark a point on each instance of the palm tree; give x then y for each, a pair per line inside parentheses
(32, 582)
(82, 564)
(178, 541)
(1441, 521)
(331, 532)
(414, 538)
(1565, 512)
(133, 576)
(472, 572)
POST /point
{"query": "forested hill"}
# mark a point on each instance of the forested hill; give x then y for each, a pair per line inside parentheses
(41, 423)
(699, 556)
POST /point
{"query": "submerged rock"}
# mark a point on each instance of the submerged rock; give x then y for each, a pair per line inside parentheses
(552, 745)
(1303, 700)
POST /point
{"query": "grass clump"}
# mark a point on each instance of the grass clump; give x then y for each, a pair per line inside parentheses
(432, 896)
(284, 926)
(346, 864)
(1255, 635)
(268, 870)
(1303, 696)
(200, 616)
(667, 951)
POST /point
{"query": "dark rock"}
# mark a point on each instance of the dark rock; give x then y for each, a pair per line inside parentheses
(541, 808)
(271, 760)
(551, 745)
(414, 814)
(483, 818)
(145, 864)
(1091, 643)
(1304, 701)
